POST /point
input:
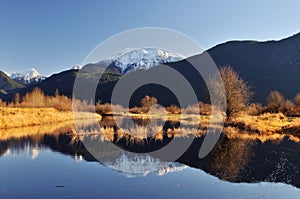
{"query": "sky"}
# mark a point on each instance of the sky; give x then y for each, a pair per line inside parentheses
(55, 35)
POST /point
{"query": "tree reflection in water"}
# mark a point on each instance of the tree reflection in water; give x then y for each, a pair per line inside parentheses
(236, 157)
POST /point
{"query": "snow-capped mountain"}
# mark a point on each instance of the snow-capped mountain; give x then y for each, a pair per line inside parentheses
(145, 59)
(28, 76)
(134, 59)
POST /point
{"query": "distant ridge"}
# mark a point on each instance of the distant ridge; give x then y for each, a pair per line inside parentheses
(266, 66)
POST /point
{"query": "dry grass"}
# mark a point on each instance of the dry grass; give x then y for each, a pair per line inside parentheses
(266, 123)
(24, 117)
(37, 132)
(265, 127)
(235, 133)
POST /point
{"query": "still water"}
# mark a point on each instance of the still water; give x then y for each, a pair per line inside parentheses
(51, 165)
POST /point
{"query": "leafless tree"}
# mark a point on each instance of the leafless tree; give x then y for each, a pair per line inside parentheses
(275, 102)
(297, 100)
(237, 92)
(147, 102)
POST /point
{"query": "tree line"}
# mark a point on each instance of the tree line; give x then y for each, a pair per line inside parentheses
(237, 93)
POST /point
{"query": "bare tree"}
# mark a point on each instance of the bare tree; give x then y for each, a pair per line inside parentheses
(275, 102)
(17, 99)
(237, 92)
(147, 102)
(297, 100)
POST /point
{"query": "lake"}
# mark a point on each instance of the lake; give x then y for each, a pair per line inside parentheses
(40, 163)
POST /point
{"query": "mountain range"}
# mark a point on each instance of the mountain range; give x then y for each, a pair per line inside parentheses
(27, 77)
(265, 66)
(132, 60)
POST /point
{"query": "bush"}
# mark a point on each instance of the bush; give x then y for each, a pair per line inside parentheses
(147, 102)
(173, 109)
(2, 103)
(135, 110)
(255, 109)
(103, 109)
(275, 102)
(297, 100)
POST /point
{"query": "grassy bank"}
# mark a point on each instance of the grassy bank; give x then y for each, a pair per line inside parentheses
(25, 117)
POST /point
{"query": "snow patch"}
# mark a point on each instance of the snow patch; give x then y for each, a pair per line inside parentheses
(28, 76)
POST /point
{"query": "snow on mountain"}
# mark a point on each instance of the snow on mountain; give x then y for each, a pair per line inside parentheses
(6, 73)
(77, 67)
(28, 76)
(145, 58)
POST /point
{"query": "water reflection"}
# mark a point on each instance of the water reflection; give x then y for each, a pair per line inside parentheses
(235, 158)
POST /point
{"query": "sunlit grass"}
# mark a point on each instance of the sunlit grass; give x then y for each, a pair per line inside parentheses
(264, 127)
(20, 122)
(25, 117)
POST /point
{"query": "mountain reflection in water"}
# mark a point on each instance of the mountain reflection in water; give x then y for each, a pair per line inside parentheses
(233, 159)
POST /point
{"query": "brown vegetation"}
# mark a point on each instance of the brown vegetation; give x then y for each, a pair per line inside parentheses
(276, 103)
(274, 127)
(23, 117)
(37, 99)
(35, 108)
(297, 100)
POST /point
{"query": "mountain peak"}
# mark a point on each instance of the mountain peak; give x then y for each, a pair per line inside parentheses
(27, 76)
(143, 58)
(77, 67)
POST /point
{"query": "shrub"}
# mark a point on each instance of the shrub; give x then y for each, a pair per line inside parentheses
(173, 109)
(297, 100)
(255, 109)
(103, 109)
(2, 103)
(147, 102)
(275, 102)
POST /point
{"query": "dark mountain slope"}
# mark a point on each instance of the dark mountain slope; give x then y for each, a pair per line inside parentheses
(266, 66)
(7, 84)
(64, 82)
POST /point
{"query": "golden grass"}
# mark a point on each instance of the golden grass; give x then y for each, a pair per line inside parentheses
(264, 127)
(34, 121)
(36, 131)
(266, 123)
(235, 133)
(274, 127)
(25, 117)
(39, 131)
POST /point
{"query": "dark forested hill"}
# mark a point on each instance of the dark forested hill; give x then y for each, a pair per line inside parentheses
(266, 66)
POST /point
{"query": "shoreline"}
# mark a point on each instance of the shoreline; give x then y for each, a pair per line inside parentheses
(265, 124)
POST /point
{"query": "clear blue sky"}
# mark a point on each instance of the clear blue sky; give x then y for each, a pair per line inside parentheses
(55, 35)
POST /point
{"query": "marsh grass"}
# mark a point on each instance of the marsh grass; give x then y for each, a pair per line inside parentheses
(274, 127)
(28, 117)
